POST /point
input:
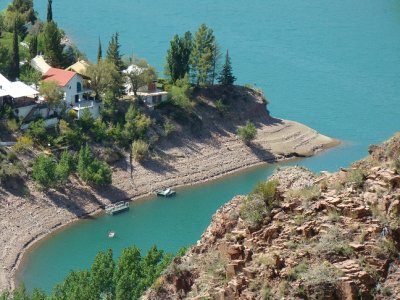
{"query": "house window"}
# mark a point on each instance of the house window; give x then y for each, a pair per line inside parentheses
(79, 87)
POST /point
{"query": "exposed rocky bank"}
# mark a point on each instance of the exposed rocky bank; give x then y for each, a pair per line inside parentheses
(326, 236)
(203, 147)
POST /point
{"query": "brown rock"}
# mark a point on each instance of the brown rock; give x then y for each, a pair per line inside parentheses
(348, 290)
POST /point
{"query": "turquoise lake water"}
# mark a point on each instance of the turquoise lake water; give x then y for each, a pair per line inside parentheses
(333, 65)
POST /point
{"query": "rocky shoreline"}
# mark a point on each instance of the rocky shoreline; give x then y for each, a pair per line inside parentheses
(188, 164)
(203, 147)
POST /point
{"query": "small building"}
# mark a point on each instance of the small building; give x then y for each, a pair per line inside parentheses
(151, 95)
(21, 97)
(39, 64)
(77, 95)
(148, 93)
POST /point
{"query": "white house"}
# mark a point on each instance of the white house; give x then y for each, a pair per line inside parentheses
(148, 93)
(76, 95)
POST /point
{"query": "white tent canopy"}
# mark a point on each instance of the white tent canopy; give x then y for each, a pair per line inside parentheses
(15, 89)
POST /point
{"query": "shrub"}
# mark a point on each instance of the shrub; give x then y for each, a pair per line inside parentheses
(259, 202)
(356, 177)
(43, 171)
(12, 125)
(397, 165)
(37, 130)
(140, 150)
(247, 133)
(267, 191)
(306, 194)
(23, 143)
(98, 130)
(333, 242)
(220, 106)
(179, 94)
(321, 280)
(72, 114)
(169, 128)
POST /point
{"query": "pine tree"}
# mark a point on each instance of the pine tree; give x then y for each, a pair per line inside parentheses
(226, 77)
(202, 56)
(33, 46)
(99, 52)
(49, 11)
(14, 72)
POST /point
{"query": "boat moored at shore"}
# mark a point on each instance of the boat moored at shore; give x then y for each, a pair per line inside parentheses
(116, 207)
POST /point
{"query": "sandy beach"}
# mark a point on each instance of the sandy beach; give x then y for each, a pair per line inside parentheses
(190, 163)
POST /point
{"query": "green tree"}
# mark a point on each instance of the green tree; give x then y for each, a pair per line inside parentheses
(104, 77)
(127, 274)
(65, 167)
(91, 170)
(247, 133)
(86, 120)
(19, 12)
(77, 285)
(178, 57)
(37, 130)
(102, 273)
(49, 11)
(180, 93)
(30, 76)
(203, 55)
(136, 124)
(14, 74)
(226, 77)
(53, 49)
(5, 61)
(43, 171)
(99, 52)
(33, 46)
(140, 74)
(114, 56)
(52, 93)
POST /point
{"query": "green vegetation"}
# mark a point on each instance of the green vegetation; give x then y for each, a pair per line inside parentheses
(125, 278)
(178, 57)
(247, 133)
(180, 94)
(226, 77)
(140, 76)
(259, 203)
(320, 280)
(10, 167)
(356, 177)
(92, 170)
(140, 150)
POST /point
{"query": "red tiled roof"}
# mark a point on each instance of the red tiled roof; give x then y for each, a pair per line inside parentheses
(59, 75)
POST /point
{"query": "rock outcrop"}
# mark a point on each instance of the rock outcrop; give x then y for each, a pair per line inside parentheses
(327, 236)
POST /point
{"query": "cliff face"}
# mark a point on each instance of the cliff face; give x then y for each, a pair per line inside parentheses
(327, 236)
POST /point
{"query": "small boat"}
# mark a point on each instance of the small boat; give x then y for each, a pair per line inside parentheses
(111, 234)
(165, 193)
(117, 207)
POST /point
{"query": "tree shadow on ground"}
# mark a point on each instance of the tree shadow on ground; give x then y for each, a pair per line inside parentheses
(262, 153)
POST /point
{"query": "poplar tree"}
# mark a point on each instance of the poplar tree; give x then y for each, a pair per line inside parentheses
(226, 77)
(99, 52)
(178, 57)
(203, 55)
(14, 72)
(49, 11)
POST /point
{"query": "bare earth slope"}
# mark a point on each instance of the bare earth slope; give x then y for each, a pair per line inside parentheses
(331, 236)
(206, 148)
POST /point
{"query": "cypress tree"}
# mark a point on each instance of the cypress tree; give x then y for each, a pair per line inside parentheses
(33, 46)
(14, 72)
(49, 11)
(114, 57)
(99, 52)
(53, 49)
(226, 77)
(178, 56)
